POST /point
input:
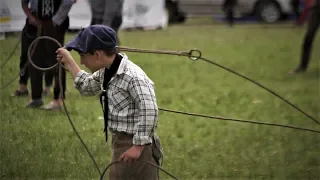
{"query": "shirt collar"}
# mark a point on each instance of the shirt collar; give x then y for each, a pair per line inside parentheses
(123, 64)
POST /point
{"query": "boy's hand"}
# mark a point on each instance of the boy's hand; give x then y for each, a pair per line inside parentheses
(64, 56)
(132, 154)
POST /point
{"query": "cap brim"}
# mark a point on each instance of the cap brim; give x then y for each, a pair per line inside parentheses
(74, 45)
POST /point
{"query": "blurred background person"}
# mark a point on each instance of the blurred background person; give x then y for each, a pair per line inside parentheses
(313, 27)
(28, 35)
(305, 14)
(53, 21)
(107, 12)
(295, 5)
(229, 9)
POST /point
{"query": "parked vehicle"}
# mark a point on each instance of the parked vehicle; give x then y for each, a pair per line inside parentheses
(266, 10)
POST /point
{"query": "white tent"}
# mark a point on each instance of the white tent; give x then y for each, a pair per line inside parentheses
(136, 13)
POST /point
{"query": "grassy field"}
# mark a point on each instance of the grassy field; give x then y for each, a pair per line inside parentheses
(36, 144)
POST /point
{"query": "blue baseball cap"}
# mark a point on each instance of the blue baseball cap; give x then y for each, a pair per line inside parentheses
(94, 37)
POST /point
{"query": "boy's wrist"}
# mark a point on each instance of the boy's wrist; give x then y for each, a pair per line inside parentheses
(73, 68)
(138, 147)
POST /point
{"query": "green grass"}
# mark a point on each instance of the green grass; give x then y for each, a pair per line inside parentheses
(42, 145)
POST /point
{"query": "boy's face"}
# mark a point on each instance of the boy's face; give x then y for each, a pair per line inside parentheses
(91, 61)
(97, 60)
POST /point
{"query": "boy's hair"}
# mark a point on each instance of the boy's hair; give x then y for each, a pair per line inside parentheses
(108, 53)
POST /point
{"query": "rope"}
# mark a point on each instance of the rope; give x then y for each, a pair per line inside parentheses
(238, 120)
(30, 51)
(263, 87)
(11, 54)
(18, 43)
(22, 71)
(193, 55)
(61, 92)
(115, 162)
(10, 82)
(190, 54)
(33, 44)
(196, 55)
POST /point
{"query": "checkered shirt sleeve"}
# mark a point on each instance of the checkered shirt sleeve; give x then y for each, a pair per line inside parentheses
(88, 84)
(62, 12)
(145, 100)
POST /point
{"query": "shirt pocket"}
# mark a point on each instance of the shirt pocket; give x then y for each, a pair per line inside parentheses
(118, 98)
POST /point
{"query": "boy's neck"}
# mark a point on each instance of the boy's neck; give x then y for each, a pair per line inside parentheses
(109, 61)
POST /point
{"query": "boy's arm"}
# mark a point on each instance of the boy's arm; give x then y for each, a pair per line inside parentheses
(145, 99)
(87, 84)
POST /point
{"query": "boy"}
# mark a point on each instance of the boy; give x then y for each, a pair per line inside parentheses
(128, 100)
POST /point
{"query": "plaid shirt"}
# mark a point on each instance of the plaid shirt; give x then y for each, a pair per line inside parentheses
(59, 16)
(131, 99)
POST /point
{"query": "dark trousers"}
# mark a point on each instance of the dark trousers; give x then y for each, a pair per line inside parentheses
(313, 26)
(29, 34)
(121, 142)
(115, 24)
(45, 56)
(230, 16)
(295, 4)
(107, 12)
(229, 7)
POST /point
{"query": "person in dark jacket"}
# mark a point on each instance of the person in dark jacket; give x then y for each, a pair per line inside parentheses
(29, 34)
(51, 18)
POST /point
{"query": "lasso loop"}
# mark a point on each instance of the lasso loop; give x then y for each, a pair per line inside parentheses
(32, 47)
(194, 54)
(61, 92)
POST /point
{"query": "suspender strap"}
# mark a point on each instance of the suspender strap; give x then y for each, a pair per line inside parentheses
(108, 74)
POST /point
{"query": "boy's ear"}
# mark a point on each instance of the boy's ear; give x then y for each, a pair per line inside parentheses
(98, 53)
